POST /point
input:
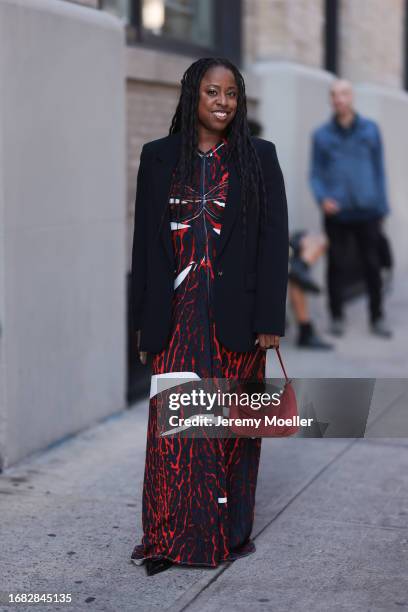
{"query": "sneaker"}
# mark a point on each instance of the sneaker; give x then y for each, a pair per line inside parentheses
(337, 327)
(380, 328)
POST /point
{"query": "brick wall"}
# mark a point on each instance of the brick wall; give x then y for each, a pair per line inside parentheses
(371, 37)
(283, 29)
(150, 107)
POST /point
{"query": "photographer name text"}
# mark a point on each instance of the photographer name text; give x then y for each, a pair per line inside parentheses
(203, 420)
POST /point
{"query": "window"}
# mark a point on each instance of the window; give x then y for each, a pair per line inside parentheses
(192, 27)
(120, 8)
(185, 20)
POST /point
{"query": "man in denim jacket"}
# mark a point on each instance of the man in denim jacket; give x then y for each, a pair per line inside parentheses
(348, 181)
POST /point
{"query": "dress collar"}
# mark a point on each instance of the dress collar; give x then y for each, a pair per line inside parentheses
(221, 143)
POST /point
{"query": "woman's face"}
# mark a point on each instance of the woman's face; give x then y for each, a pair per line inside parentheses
(218, 97)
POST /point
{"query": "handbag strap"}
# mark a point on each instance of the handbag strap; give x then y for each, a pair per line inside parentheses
(281, 362)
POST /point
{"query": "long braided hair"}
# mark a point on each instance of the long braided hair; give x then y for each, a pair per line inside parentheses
(240, 147)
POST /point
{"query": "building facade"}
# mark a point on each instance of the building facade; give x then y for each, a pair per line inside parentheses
(84, 83)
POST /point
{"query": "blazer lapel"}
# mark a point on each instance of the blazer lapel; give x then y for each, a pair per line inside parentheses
(165, 160)
(232, 206)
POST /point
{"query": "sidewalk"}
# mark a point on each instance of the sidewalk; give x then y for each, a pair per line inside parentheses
(331, 528)
(331, 525)
(358, 353)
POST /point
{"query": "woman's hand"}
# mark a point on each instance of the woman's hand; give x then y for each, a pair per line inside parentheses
(268, 341)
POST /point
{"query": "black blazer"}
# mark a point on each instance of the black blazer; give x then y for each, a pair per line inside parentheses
(250, 287)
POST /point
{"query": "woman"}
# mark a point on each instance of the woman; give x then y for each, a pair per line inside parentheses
(209, 277)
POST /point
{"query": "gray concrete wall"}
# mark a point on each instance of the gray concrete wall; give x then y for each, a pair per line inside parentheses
(2, 294)
(293, 99)
(63, 215)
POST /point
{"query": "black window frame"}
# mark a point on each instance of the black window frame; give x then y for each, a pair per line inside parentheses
(227, 33)
(331, 36)
(405, 47)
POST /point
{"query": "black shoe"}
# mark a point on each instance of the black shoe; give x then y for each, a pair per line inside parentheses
(380, 328)
(314, 342)
(155, 566)
(299, 273)
(308, 338)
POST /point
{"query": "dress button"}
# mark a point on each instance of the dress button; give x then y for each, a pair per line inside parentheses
(220, 272)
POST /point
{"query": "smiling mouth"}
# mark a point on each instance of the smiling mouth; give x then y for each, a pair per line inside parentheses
(220, 114)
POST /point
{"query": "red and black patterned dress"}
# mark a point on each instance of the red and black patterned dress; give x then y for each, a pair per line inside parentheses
(199, 493)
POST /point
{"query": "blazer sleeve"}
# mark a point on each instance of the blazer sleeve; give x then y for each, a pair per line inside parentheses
(273, 252)
(139, 246)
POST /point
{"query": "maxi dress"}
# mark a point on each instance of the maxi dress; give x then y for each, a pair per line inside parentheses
(199, 493)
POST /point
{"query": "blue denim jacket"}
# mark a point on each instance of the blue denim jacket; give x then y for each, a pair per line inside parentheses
(347, 165)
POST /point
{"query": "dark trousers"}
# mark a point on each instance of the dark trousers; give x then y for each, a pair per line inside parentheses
(367, 238)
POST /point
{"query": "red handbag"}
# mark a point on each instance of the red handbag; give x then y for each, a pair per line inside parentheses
(272, 421)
